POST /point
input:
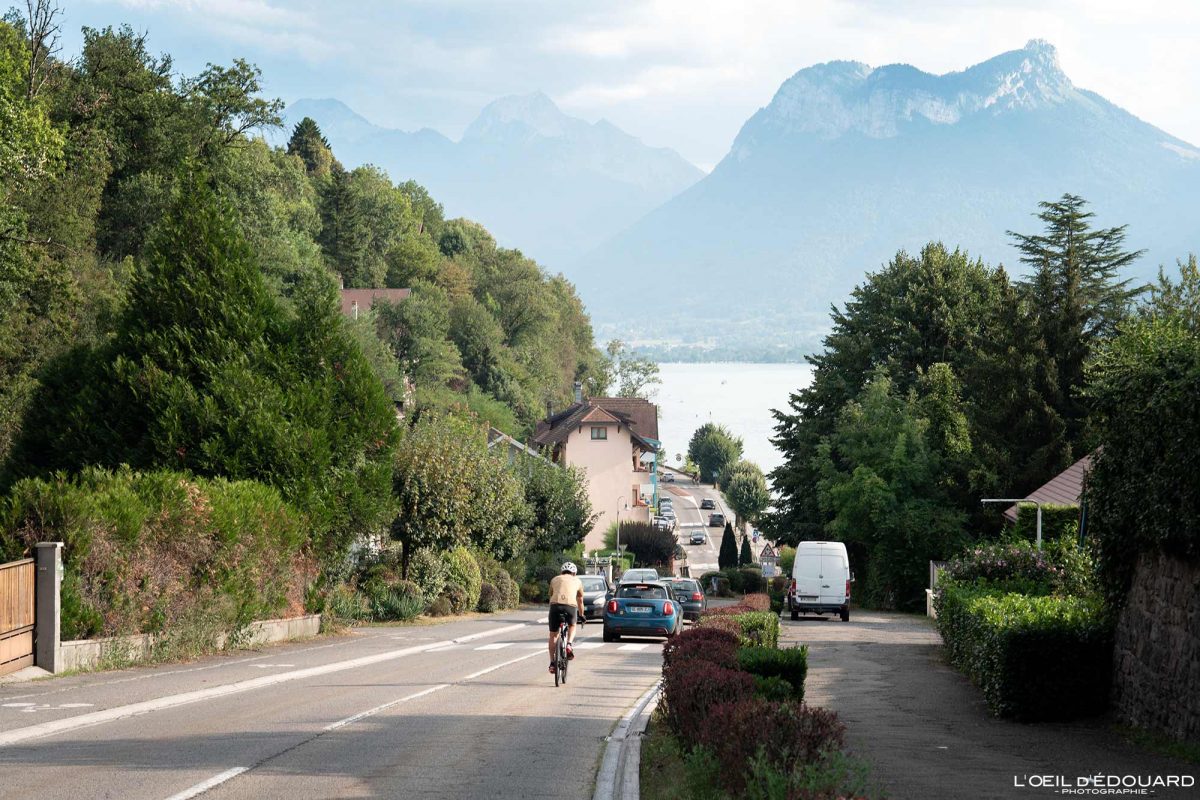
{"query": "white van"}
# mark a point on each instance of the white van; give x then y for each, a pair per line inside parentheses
(821, 580)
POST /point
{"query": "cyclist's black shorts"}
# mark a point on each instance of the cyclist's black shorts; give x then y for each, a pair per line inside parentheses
(559, 612)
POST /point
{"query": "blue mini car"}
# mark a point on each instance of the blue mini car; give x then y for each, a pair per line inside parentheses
(642, 609)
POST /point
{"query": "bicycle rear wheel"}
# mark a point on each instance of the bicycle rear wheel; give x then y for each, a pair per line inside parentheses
(560, 663)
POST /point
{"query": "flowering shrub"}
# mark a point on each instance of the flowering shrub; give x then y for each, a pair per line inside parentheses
(690, 691)
(782, 734)
(1012, 565)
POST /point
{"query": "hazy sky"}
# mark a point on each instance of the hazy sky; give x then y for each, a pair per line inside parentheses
(680, 73)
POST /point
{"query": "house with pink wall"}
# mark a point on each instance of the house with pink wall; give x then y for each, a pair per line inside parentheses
(614, 441)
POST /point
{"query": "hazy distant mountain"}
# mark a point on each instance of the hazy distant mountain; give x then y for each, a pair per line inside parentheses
(848, 164)
(552, 185)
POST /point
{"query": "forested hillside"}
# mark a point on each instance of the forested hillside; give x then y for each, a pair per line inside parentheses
(96, 151)
(182, 401)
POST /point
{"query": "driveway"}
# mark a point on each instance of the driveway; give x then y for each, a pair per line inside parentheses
(925, 728)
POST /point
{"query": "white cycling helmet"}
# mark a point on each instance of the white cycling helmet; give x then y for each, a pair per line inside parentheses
(570, 567)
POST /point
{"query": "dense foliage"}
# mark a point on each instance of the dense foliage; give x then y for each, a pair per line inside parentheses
(1035, 657)
(713, 449)
(1143, 493)
(735, 711)
(727, 555)
(169, 301)
(745, 490)
(943, 381)
(161, 552)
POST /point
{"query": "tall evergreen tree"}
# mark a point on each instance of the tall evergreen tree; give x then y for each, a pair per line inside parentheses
(745, 557)
(310, 144)
(1076, 295)
(727, 556)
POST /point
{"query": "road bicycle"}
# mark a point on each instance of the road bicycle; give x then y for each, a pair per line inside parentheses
(560, 651)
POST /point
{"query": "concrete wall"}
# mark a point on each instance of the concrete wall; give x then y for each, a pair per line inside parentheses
(608, 464)
(89, 653)
(1156, 677)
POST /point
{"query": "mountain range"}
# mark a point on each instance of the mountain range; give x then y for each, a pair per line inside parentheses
(849, 164)
(552, 185)
(845, 166)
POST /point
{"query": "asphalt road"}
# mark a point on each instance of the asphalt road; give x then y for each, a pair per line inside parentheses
(687, 497)
(464, 710)
(925, 729)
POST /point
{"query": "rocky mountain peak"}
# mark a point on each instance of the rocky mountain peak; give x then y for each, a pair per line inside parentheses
(523, 114)
(839, 97)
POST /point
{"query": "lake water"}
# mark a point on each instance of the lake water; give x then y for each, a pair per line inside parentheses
(738, 396)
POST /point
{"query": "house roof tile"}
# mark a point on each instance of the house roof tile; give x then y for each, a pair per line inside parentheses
(1065, 488)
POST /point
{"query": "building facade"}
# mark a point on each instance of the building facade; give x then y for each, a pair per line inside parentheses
(614, 441)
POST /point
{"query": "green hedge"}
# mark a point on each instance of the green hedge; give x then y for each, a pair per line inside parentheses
(756, 628)
(1036, 658)
(1058, 522)
(790, 664)
(161, 552)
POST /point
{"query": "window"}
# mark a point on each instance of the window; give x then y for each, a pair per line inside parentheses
(599, 432)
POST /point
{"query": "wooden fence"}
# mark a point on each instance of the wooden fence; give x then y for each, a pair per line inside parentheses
(16, 614)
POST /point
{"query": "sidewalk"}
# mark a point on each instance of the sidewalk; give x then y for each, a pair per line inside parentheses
(925, 729)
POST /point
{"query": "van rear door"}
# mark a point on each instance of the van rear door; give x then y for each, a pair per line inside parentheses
(807, 573)
(834, 574)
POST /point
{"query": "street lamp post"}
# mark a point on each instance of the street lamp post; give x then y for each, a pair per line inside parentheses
(620, 502)
(1037, 503)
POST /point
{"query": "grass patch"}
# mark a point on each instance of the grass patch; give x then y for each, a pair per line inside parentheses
(667, 773)
(1160, 744)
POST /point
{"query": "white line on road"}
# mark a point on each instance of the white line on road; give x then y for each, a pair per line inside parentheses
(377, 709)
(213, 692)
(214, 781)
(641, 646)
(496, 646)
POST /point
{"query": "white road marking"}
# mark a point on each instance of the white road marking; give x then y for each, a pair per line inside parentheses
(584, 645)
(430, 690)
(213, 692)
(495, 646)
(76, 705)
(377, 709)
(474, 675)
(17, 705)
(444, 649)
(641, 646)
(214, 781)
(271, 666)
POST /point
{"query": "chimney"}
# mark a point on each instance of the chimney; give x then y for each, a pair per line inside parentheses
(578, 392)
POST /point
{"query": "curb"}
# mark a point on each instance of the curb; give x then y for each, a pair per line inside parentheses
(618, 778)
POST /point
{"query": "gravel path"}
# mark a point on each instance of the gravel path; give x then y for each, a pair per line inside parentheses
(926, 731)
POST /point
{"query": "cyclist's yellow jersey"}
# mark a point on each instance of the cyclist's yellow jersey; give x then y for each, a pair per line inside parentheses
(565, 589)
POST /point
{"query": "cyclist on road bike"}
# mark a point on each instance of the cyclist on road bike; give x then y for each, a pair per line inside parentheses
(566, 603)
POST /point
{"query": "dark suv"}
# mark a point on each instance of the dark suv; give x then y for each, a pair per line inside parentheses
(707, 503)
(690, 595)
(716, 520)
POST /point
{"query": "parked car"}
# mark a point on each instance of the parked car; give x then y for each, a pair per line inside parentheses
(664, 523)
(821, 579)
(698, 536)
(639, 575)
(690, 595)
(707, 503)
(596, 592)
(667, 477)
(716, 520)
(642, 609)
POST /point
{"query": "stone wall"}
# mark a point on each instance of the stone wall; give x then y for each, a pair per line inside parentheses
(1156, 679)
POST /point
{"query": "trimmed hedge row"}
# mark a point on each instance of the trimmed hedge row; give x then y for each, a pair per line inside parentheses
(741, 707)
(754, 628)
(1035, 658)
